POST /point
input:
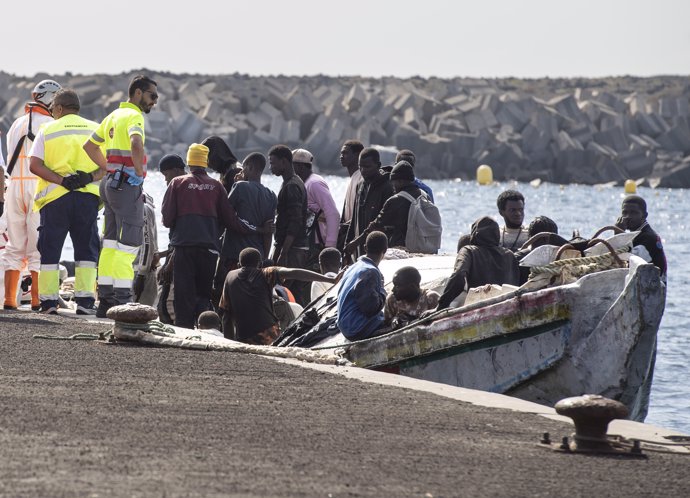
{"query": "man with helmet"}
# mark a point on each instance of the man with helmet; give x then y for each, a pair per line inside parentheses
(22, 222)
(121, 134)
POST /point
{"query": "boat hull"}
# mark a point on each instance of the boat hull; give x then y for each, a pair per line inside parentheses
(595, 336)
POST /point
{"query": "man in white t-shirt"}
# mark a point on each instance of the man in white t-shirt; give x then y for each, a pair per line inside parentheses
(329, 261)
(511, 207)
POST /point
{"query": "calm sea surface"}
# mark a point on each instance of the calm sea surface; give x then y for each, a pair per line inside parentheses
(585, 209)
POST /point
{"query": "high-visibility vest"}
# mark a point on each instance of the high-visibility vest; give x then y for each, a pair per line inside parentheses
(114, 134)
(64, 154)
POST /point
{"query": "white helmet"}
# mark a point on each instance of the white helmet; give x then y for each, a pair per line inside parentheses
(45, 91)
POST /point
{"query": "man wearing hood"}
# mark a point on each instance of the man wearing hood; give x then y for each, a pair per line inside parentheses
(481, 262)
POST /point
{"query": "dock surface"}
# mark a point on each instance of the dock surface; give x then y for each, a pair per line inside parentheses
(84, 418)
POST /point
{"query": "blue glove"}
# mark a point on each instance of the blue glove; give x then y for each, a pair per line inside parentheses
(135, 180)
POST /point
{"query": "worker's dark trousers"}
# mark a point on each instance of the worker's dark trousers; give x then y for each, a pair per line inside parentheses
(75, 214)
(193, 270)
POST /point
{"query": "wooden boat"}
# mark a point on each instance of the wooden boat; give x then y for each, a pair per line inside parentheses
(596, 335)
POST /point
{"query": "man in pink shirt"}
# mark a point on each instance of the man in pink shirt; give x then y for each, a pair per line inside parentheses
(320, 204)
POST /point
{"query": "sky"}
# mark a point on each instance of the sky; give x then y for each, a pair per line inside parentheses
(480, 38)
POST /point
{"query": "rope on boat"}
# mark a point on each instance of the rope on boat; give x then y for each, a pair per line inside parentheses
(595, 263)
(157, 333)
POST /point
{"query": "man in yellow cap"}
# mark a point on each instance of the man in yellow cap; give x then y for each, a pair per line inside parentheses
(195, 208)
(121, 134)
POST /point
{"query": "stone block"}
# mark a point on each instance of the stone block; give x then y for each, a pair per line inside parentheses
(469, 105)
(456, 100)
(412, 118)
(534, 139)
(269, 110)
(291, 132)
(262, 140)
(355, 98)
(317, 140)
(158, 125)
(636, 104)
(614, 138)
(480, 119)
(582, 132)
(231, 102)
(602, 150)
(506, 133)
(212, 112)
(188, 127)
(574, 166)
(610, 100)
(567, 106)
(190, 95)
(669, 107)
(637, 162)
(274, 96)
(608, 170)
(676, 139)
(566, 142)
(651, 124)
(259, 120)
(89, 93)
(671, 175)
(511, 113)
(506, 161)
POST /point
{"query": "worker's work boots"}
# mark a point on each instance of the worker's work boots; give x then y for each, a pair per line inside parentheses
(11, 287)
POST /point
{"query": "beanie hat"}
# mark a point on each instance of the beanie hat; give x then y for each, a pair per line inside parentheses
(302, 156)
(403, 171)
(197, 155)
(170, 161)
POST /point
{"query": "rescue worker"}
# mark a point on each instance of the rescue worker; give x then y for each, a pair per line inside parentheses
(67, 199)
(121, 133)
(22, 222)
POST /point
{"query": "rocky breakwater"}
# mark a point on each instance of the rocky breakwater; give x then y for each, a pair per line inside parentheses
(560, 130)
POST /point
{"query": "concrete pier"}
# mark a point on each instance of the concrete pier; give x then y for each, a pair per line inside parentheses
(82, 418)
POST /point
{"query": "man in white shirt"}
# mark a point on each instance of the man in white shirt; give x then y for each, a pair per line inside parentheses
(329, 261)
(511, 207)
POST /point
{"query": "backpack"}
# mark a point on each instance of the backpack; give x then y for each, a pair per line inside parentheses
(423, 225)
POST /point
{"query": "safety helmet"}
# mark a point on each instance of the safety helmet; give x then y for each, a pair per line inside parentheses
(45, 91)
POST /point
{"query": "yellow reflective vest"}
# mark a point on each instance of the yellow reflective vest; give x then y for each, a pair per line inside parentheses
(64, 154)
(114, 133)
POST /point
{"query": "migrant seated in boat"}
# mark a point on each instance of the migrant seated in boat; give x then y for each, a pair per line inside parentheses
(407, 301)
(541, 231)
(481, 262)
(361, 295)
(647, 244)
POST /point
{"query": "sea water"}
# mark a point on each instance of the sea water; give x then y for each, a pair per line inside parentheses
(575, 208)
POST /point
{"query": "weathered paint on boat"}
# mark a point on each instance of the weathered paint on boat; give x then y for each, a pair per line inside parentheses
(597, 335)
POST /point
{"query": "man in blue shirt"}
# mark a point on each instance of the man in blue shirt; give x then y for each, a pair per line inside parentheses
(361, 295)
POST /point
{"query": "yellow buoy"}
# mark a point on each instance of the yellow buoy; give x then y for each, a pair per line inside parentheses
(630, 186)
(485, 175)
